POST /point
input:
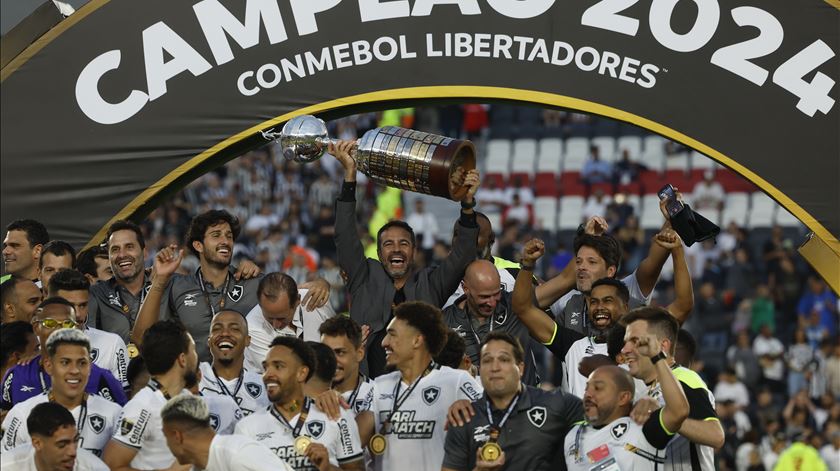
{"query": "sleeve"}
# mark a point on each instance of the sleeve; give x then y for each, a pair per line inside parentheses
(134, 427)
(6, 399)
(93, 310)
(655, 432)
(701, 406)
(110, 388)
(571, 409)
(457, 449)
(255, 457)
(14, 430)
(351, 254)
(635, 291)
(241, 428)
(445, 278)
(468, 387)
(562, 341)
(349, 444)
(558, 306)
(167, 301)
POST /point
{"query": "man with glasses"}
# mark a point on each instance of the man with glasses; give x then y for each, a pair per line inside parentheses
(485, 307)
(69, 366)
(28, 380)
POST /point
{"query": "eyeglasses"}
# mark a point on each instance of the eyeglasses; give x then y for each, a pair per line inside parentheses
(50, 323)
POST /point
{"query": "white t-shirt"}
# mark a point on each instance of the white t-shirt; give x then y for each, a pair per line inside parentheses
(248, 393)
(636, 296)
(621, 445)
(22, 458)
(224, 414)
(770, 346)
(108, 351)
(424, 224)
(360, 400)
(341, 438)
(240, 453)
(416, 436)
(95, 426)
(141, 428)
(262, 332)
(574, 383)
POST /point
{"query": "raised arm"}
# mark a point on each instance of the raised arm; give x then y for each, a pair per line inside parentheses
(676, 405)
(684, 302)
(351, 254)
(167, 262)
(540, 326)
(647, 274)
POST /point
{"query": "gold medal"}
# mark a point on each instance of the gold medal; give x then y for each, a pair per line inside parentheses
(301, 444)
(490, 451)
(133, 351)
(377, 444)
(125, 308)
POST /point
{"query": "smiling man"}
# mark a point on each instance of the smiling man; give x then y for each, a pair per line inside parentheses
(68, 364)
(20, 298)
(22, 246)
(344, 336)
(227, 375)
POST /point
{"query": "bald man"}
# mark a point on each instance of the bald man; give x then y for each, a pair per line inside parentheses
(483, 308)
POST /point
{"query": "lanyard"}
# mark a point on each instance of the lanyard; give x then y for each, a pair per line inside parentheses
(126, 309)
(495, 429)
(80, 425)
(156, 386)
(359, 382)
(472, 329)
(224, 388)
(578, 440)
(207, 295)
(307, 402)
(399, 401)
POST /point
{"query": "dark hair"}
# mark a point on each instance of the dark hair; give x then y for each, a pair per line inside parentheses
(342, 325)
(605, 245)
(14, 337)
(689, 344)
(396, 223)
(275, 283)
(301, 350)
(67, 280)
(86, 260)
(123, 225)
(162, 343)
(453, 352)
(325, 362)
(207, 219)
(620, 287)
(8, 289)
(518, 351)
(136, 367)
(47, 417)
(659, 320)
(55, 300)
(59, 248)
(615, 340)
(427, 319)
(36, 233)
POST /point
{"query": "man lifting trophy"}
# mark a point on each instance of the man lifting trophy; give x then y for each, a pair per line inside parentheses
(392, 156)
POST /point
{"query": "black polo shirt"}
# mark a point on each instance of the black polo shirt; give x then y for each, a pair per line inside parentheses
(473, 332)
(532, 437)
(113, 308)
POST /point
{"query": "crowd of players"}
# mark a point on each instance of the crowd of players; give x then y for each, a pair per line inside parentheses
(225, 367)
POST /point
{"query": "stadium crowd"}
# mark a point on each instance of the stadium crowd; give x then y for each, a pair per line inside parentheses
(263, 319)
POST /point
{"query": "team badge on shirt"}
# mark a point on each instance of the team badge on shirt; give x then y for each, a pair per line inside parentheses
(501, 317)
(431, 394)
(94, 354)
(97, 423)
(214, 421)
(253, 389)
(537, 416)
(316, 428)
(126, 426)
(618, 431)
(235, 294)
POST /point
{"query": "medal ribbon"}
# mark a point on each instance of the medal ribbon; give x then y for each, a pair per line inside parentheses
(495, 429)
(80, 425)
(224, 388)
(156, 386)
(307, 402)
(399, 401)
(207, 295)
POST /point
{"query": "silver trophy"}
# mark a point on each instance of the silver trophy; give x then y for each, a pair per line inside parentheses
(402, 158)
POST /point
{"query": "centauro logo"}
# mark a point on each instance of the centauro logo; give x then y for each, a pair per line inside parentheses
(403, 425)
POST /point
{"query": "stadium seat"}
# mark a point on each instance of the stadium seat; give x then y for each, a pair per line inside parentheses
(651, 218)
(606, 147)
(570, 184)
(498, 156)
(701, 162)
(735, 209)
(678, 161)
(653, 155)
(545, 213)
(734, 182)
(546, 184)
(786, 219)
(524, 156)
(651, 181)
(633, 145)
(495, 222)
(550, 155)
(571, 212)
(762, 211)
(577, 152)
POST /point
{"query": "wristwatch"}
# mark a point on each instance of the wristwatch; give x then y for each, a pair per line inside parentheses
(659, 356)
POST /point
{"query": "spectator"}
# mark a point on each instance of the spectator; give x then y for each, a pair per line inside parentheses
(729, 388)
(490, 197)
(830, 452)
(595, 170)
(799, 356)
(819, 299)
(770, 352)
(518, 213)
(763, 311)
(626, 171)
(596, 204)
(708, 194)
(832, 374)
(516, 187)
(744, 360)
(425, 227)
(741, 276)
(767, 411)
